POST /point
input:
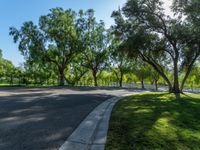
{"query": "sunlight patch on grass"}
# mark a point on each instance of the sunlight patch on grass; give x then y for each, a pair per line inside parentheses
(155, 121)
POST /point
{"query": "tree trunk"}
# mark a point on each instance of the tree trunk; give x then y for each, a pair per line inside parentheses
(142, 83)
(184, 79)
(11, 80)
(189, 69)
(162, 74)
(62, 77)
(120, 83)
(156, 85)
(95, 78)
(121, 80)
(176, 88)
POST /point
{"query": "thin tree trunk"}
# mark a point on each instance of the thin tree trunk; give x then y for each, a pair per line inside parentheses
(11, 80)
(188, 72)
(120, 83)
(142, 83)
(162, 74)
(121, 80)
(156, 85)
(185, 78)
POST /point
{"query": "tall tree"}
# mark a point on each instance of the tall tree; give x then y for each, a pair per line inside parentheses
(97, 40)
(56, 40)
(120, 63)
(163, 42)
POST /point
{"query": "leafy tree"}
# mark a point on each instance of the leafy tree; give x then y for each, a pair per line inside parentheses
(2, 70)
(120, 63)
(56, 40)
(19, 74)
(75, 70)
(154, 77)
(96, 43)
(9, 70)
(163, 42)
(142, 72)
(194, 77)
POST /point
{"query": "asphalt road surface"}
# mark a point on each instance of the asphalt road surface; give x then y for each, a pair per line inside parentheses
(43, 118)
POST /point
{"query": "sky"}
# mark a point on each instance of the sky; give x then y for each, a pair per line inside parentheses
(13, 13)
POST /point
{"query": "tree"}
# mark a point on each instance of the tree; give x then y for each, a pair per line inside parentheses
(96, 43)
(141, 71)
(9, 70)
(120, 63)
(56, 40)
(194, 77)
(189, 9)
(154, 77)
(163, 42)
(19, 74)
(76, 70)
(2, 71)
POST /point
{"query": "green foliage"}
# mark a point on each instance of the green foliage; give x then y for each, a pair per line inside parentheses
(96, 43)
(120, 64)
(56, 40)
(146, 32)
(70, 48)
(7, 70)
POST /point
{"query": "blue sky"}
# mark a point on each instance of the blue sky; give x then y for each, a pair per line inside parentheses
(15, 12)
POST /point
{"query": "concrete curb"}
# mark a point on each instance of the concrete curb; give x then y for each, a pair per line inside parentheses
(91, 134)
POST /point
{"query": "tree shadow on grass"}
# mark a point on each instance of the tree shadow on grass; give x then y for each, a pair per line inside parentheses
(155, 121)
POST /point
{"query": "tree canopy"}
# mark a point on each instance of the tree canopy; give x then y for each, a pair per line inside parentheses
(57, 39)
(144, 45)
(164, 42)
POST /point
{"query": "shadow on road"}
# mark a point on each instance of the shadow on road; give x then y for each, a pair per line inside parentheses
(42, 120)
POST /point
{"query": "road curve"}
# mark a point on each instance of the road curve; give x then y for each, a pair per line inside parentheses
(43, 118)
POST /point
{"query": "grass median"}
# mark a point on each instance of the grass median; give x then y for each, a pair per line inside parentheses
(155, 121)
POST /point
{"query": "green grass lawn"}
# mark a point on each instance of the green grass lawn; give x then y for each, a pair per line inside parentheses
(155, 121)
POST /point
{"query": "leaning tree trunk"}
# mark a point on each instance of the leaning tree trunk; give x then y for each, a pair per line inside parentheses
(160, 71)
(189, 69)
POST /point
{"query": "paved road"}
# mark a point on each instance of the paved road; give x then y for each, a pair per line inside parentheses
(43, 118)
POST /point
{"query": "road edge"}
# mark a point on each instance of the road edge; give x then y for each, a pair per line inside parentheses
(91, 134)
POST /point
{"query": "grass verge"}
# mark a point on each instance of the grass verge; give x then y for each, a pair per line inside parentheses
(155, 121)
